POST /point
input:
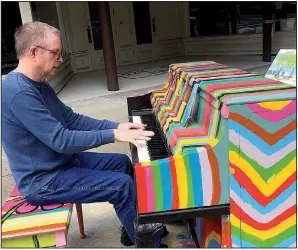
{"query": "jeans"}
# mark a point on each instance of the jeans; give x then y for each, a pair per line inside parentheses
(97, 177)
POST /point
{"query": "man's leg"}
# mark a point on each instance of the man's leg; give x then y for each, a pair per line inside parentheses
(106, 161)
(84, 185)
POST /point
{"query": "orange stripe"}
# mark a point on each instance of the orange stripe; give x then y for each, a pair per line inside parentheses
(33, 230)
(215, 176)
(262, 133)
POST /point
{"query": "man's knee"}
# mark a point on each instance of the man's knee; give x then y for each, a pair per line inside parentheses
(125, 159)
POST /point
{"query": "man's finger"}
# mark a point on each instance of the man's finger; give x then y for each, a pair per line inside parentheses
(146, 138)
(135, 143)
(138, 125)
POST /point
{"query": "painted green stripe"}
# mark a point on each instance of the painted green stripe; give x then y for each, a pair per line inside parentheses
(270, 242)
(266, 174)
(202, 104)
(190, 200)
(157, 186)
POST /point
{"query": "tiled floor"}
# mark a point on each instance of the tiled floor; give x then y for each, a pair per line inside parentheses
(131, 77)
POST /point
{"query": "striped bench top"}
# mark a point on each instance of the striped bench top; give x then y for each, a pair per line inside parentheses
(20, 219)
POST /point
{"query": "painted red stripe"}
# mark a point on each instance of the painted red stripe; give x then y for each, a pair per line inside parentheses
(253, 190)
(175, 204)
(239, 213)
(141, 189)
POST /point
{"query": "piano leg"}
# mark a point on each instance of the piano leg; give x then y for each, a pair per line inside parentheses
(146, 234)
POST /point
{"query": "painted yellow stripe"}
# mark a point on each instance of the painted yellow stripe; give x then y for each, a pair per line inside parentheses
(195, 142)
(38, 217)
(14, 197)
(212, 236)
(214, 123)
(266, 188)
(177, 118)
(265, 235)
(275, 105)
(181, 180)
(165, 108)
(145, 163)
(7, 228)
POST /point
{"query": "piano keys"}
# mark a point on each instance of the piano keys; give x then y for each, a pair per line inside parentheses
(213, 122)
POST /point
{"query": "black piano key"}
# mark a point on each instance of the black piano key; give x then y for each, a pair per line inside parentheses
(157, 148)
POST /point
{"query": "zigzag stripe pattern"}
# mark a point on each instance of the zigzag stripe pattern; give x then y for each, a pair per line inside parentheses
(263, 164)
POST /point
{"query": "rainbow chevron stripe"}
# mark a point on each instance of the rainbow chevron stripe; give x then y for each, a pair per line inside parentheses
(232, 136)
(262, 153)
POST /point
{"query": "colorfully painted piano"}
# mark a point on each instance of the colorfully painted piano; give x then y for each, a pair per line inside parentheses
(223, 153)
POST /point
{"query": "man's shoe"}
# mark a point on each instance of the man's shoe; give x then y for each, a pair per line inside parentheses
(125, 240)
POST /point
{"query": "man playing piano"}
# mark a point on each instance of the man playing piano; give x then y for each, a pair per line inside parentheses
(44, 139)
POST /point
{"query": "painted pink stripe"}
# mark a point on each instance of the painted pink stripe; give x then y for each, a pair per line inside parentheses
(272, 115)
(60, 239)
(214, 87)
(225, 76)
(193, 131)
(150, 189)
(226, 100)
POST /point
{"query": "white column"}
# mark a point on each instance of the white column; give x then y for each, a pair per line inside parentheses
(26, 12)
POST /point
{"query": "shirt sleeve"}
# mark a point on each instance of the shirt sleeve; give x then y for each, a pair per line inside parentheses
(31, 111)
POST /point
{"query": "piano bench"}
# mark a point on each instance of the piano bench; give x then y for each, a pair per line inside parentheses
(29, 226)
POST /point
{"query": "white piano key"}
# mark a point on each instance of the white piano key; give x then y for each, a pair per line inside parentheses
(143, 153)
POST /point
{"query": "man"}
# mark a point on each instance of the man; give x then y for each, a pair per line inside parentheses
(44, 139)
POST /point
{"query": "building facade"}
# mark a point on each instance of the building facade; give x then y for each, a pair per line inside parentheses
(147, 31)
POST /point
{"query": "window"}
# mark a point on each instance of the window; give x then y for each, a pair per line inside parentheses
(47, 12)
(10, 11)
(142, 20)
(95, 25)
(226, 18)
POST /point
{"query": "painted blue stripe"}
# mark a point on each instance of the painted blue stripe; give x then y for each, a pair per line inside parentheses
(214, 244)
(269, 97)
(196, 175)
(41, 213)
(166, 183)
(288, 242)
(236, 240)
(258, 142)
(246, 197)
(233, 80)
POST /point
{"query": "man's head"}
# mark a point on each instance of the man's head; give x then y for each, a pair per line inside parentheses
(39, 46)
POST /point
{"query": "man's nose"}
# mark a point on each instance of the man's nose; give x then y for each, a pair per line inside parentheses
(60, 59)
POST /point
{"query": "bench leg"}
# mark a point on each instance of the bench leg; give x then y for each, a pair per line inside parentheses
(80, 220)
(60, 239)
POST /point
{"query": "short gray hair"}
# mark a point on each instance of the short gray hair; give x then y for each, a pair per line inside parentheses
(30, 34)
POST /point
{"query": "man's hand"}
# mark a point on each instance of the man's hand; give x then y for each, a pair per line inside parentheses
(129, 125)
(132, 136)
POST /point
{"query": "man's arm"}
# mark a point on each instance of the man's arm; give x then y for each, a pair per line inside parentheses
(32, 113)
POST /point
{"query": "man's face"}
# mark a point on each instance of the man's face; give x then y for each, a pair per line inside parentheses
(48, 56)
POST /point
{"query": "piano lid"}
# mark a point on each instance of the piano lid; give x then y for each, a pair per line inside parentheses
(230, 86)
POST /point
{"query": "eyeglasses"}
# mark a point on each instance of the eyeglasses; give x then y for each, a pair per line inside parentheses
(59, 55)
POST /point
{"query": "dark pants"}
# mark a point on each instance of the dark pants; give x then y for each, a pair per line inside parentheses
(99, 177)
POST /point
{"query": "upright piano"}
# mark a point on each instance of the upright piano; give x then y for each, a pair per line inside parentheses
(223, 153)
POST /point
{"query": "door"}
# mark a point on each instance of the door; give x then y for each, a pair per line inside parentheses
(134, 31)
(84, 36)
(144, 15)
(95, 49)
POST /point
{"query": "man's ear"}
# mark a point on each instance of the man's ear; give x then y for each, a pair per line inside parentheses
(32, 52)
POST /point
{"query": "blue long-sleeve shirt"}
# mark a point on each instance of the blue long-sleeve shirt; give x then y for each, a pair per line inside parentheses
(40, 135)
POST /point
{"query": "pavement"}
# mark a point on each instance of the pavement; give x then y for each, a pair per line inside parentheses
(88, 95)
